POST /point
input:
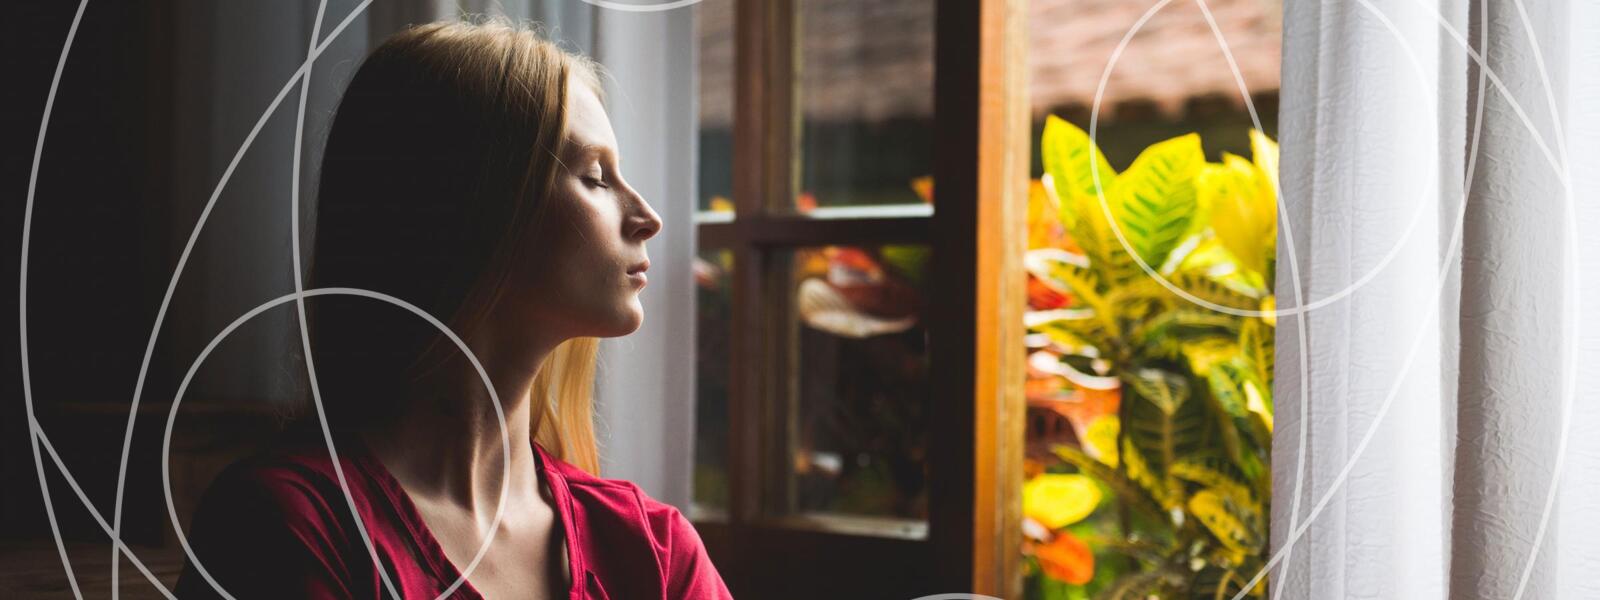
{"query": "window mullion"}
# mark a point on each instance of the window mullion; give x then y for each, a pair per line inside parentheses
(763, 138)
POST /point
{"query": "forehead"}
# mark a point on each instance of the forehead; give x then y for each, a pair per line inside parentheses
(587, 123)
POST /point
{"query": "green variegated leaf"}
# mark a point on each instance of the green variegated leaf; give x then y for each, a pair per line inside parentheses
(1065, 270)
(1211, 290)
(1154, 200)
(1211, 471)
(1256, 344)
(1068, 328)
(1231, 516)
(1164, 490)
(1066, 152)
(1165, 389)
(1187, 324)
(1092, 233)
(1229, 381)
(1161, 422)
(1072, 272)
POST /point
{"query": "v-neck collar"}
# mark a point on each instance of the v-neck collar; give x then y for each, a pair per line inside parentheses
(433, 553)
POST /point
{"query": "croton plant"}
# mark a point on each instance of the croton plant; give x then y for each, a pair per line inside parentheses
(1150, 346)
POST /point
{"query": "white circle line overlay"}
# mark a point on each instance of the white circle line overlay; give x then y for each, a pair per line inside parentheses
(299, 298)
(1151, 272)
(37, 433)
(300, 74)
(641, 8)
(1569, 313)
(1569, 309)
(22, 305)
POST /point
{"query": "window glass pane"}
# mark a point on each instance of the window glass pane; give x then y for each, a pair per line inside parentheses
(713, 276)
(859, 386)
(865, 103)
(714, 22)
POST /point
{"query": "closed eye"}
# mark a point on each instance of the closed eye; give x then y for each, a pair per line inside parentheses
(595, 182)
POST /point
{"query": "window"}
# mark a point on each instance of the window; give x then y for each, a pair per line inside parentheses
(858, 412)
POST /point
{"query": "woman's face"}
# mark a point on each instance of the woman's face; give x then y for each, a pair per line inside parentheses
(589, 267)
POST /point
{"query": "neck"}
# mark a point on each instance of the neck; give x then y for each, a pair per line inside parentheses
(448, 445)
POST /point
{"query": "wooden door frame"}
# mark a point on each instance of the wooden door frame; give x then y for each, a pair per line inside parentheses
(981, 170)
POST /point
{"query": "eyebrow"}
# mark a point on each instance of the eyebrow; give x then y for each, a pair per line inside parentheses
(587, 150)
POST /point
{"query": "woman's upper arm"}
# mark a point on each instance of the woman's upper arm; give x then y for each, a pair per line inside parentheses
(690, 573)
(264, 533)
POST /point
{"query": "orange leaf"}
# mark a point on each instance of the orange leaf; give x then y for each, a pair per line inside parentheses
(1044, 297)
(1066, 558)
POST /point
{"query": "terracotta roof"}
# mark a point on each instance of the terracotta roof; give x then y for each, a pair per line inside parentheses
(1173, 57)
(872, 60)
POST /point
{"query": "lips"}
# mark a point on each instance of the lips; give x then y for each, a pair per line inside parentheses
(636, 273)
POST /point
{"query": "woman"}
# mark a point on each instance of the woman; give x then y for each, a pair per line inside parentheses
(472, 171)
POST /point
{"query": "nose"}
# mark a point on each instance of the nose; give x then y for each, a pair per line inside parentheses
(643, 223)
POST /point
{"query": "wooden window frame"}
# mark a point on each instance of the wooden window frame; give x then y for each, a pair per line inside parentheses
(975, 324)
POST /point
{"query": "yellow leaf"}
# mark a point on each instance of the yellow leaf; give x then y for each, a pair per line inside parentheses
(1101, 436)
(1243, 210)
(1057, 500)
(1264, 152)
(1072, 161)
(1205, 352)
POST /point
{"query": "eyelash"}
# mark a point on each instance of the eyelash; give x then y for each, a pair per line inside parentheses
(595, 182)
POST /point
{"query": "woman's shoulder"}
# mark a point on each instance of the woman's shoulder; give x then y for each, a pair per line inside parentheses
(625, 496)
(609, 509)
(293, 466)
(295, 484)
(277, 521)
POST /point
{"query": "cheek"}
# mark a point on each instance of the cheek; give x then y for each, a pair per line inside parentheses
(579, 275)
(587, 260)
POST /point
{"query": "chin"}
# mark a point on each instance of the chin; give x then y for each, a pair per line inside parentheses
(625, 321)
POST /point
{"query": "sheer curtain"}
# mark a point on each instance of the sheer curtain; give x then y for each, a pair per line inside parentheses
(1441, 289)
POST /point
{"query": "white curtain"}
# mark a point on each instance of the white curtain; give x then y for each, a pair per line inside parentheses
(1435, 436)
(646, 394)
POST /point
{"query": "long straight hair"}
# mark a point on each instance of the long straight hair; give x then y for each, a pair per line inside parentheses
(441, 155)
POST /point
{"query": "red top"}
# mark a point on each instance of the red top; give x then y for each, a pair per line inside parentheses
(278, 526)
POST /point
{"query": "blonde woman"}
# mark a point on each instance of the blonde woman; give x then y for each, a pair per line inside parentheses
(471, 170)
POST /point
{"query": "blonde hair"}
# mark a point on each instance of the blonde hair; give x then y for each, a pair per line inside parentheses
(441, 153)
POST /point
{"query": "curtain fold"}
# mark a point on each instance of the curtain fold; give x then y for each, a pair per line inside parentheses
(1438, 278)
